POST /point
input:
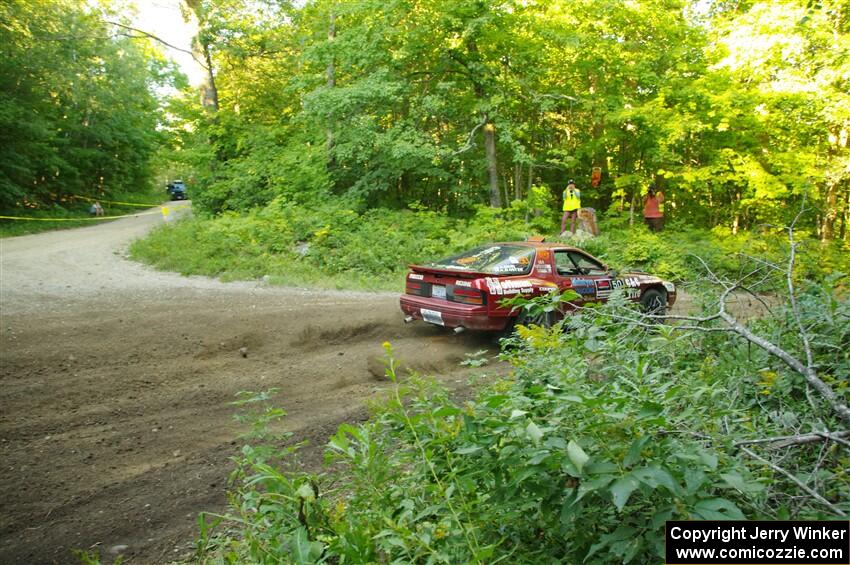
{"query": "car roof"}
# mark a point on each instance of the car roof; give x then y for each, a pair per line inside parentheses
(540, 245)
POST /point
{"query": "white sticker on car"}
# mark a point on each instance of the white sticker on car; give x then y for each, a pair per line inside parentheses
(463, 283)
(629, 281)
(438, 291)
(416, 277)
(669, 286)
(432, 317)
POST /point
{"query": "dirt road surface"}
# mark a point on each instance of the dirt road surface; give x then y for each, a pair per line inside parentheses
(115, 420)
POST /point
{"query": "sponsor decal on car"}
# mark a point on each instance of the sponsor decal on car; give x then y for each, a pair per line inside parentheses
(463, 283)
(416, 277)
(603, 288)
(544, 269)
(509, 269)
(669, 286)
(519, 260)
(517, 286)
(583, 286)
(628, 281)
(493, 285)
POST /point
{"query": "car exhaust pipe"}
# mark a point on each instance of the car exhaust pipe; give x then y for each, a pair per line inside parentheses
(408, 319)
(459, 330)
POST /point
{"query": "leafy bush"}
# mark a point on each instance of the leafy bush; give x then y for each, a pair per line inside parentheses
(330, 243)
(325, 244)
(679, 252)
(601, 434)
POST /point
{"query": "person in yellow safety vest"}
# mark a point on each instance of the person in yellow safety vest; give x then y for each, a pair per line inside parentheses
(572, 203)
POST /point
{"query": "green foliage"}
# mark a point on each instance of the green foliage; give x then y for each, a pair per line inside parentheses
(325, 244)
(77, 109)
(681, 253)
(735, 113)
(329, 244)
(66, 210)
(602, 434)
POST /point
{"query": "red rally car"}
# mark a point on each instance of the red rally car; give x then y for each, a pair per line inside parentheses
(464, 291)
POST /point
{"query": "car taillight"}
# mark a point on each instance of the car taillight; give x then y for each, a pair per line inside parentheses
(415, 287)
(467, 296)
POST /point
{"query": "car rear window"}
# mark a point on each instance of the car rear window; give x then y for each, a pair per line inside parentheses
(490, 260)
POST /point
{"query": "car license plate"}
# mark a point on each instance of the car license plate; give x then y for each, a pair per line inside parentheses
(432, 316)
(438, 291)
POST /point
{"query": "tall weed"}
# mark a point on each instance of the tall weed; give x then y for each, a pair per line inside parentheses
(602, 433)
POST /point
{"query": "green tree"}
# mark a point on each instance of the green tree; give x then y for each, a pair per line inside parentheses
(78, 113)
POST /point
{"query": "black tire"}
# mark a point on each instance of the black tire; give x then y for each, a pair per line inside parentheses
(542, 319)
(654, 302)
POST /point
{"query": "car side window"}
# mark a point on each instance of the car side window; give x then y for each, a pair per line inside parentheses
(585, 265)
(564, 265)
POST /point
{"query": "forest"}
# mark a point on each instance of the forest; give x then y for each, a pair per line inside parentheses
(736, 110)
(333, 142)
(79, 111)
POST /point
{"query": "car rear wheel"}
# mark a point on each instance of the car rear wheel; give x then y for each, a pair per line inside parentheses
(542, 319)
(654, 303)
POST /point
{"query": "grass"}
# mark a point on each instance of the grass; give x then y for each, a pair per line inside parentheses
(72, 213)
(187, 247)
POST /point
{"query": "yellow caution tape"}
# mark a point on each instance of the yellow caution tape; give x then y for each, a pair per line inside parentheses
(95, 218)
(114, 202)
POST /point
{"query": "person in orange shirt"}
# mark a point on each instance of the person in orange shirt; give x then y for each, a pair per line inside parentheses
(652, 210)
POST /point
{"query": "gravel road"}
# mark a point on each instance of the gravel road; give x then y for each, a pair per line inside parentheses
(116, 426)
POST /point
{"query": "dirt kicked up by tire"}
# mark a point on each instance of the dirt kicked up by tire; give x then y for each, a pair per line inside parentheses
(116, 426)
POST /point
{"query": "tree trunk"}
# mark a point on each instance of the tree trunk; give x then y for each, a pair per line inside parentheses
(210, 97)
(331, 83)
(209, 94)
(492, 164)
(736, 220)
(518, 181)
(827, 232)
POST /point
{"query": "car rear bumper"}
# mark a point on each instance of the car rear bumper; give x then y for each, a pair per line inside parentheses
(451, 314)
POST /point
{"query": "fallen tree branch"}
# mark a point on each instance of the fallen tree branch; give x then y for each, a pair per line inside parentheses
(799, 439)
(838, 438)
(789, 275)
(796, 481)
(806, 370)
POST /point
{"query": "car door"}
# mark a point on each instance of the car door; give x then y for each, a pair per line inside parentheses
(583, 274)
(594, 270)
